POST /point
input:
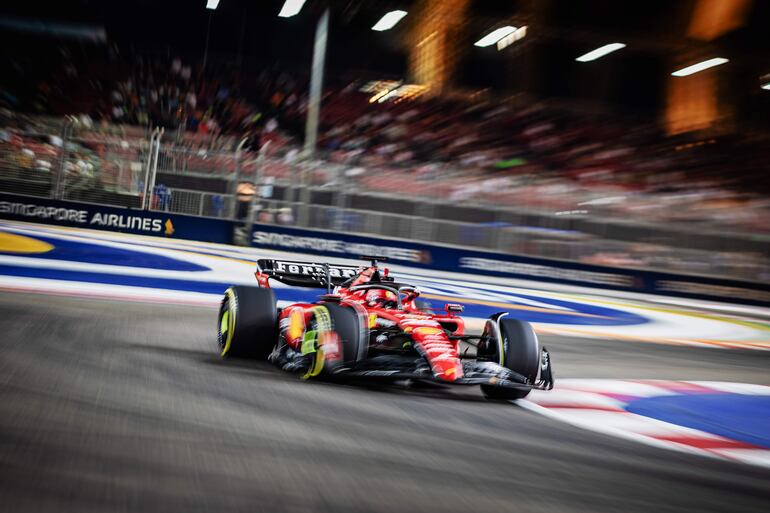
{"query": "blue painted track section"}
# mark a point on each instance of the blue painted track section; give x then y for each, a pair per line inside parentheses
(741, 417)
(618, 317)
(562, 312)
(603, 316)
(597, 315)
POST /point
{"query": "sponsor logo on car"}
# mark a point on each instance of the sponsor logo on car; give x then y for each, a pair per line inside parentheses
(335, 271)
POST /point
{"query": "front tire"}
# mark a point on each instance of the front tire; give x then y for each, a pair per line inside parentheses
(349, 344)
(514, 346)
(247, 323)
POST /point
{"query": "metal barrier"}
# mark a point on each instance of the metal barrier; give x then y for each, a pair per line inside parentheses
(133, 167)
(22, 173)
(197, 203)
(521, 240)
(75, 165)
(112, 167)
(107, 173)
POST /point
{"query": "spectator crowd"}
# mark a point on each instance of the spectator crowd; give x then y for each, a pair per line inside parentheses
(468, 148)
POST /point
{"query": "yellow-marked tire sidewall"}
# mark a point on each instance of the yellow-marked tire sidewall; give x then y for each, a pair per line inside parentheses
(251, 324)
(232, 310)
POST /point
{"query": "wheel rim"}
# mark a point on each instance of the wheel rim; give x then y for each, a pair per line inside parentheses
(318, 327)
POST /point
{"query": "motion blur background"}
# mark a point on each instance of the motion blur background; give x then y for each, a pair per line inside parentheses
(499, 152)
(525, 145)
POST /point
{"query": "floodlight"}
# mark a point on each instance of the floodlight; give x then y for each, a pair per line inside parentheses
(495, 36)
(291, 8)
(695, 68)
(600, 52)
(389, 20)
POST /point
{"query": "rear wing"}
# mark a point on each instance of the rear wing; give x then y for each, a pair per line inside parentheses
(306, 274)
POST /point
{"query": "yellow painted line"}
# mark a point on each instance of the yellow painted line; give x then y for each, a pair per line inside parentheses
(634, 338)
(742, 343)
(734, 344)
(711, 317)
(12, 243)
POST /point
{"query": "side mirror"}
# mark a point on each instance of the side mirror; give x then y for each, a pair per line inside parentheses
(452, 308)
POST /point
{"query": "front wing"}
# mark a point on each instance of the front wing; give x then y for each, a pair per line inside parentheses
(475, 372)
(398, 367)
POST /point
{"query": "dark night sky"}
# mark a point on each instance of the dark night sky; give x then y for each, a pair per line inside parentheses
(632, 78)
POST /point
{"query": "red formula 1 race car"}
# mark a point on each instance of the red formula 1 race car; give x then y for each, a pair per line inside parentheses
(369, 325)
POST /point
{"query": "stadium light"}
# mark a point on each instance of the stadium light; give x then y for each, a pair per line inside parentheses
(710, 63)
(212, 4)
(495, 36)
(600, 52)
(389, 20)
(764, 82)
(291, 8)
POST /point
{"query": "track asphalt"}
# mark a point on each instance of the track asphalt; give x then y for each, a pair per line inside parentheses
(117, 406)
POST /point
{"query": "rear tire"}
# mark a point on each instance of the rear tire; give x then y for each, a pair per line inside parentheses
(247, 323)
(519, 351)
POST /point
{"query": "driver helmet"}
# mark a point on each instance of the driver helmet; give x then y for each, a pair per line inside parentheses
(381, 298)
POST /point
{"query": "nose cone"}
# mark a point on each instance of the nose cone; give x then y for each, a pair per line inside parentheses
(438, 350)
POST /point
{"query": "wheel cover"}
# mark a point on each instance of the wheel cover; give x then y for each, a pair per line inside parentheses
(320, 325)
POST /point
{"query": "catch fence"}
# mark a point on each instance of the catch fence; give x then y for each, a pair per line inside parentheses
(142, 169)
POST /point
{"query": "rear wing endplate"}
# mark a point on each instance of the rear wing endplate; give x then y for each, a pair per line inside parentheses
(306, 274)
